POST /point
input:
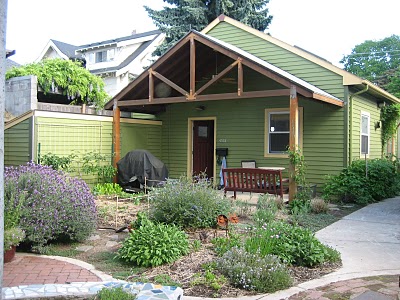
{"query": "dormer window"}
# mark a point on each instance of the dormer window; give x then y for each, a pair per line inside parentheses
(101, 56)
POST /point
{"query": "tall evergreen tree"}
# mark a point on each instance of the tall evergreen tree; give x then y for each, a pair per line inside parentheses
(181, 16)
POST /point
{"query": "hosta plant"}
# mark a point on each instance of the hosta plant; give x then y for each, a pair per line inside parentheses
(55, 206)
(153, 244)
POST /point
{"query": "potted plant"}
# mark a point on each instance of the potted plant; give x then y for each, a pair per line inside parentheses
(12, 237)
(13, 234)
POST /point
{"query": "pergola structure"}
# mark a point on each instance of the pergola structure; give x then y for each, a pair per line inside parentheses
(189, 71)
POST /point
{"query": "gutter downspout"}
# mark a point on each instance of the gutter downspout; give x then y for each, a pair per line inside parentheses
(351, 120)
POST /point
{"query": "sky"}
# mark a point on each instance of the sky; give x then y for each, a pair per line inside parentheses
(327, 28)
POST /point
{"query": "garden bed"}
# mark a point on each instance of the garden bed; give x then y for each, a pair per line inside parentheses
(188, 271)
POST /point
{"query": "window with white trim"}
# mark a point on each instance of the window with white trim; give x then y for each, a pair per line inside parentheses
(277, 131)
(364, 133)
(106, 55)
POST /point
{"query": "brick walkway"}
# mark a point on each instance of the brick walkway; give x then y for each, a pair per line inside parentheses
(24, 270)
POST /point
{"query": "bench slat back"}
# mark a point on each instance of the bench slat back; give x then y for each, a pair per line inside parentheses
(253, 180)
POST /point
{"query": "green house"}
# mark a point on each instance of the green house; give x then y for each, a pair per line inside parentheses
(231, 87)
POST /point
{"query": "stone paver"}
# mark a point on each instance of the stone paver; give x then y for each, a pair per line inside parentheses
(143, 291)
(384, 287)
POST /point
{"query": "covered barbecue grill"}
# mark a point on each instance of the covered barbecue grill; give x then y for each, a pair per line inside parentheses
(137, 165)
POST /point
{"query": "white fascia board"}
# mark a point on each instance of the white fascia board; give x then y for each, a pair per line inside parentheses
(82, 50)
(136, 41)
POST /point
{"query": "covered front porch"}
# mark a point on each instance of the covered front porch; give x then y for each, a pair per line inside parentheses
(210, 95)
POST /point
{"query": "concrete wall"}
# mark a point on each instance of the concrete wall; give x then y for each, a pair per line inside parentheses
(21, 95)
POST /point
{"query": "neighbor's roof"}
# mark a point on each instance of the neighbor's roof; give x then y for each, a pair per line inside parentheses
(348, 78)
(127, 61)
(67, 49)
(118, 40)
(11, 64)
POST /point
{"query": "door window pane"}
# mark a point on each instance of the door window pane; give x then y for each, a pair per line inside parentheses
(202, 131)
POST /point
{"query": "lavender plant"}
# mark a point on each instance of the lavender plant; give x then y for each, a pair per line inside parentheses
(252, 271)
(55, 207)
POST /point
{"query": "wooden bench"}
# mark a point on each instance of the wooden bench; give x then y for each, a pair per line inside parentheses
(253, 180)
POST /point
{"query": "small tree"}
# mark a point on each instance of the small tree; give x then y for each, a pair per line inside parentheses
(66, 76)
(377, 61)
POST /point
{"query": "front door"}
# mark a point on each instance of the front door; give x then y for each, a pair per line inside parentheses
(203, 147)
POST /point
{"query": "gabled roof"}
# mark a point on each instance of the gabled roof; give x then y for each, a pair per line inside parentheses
(128, 60)
(67, 49)
(271, 67)
(64, 50)
(175, 62)
(348, 78)
(118, 40)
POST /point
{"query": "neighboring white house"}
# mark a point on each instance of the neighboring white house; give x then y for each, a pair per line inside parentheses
(117, 61)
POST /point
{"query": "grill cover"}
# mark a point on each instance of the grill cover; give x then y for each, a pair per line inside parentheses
(138, 164)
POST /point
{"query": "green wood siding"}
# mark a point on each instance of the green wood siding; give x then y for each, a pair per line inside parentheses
(282, 58)
(362, 103)
(17, 144)
(240, 128)
(141, 136)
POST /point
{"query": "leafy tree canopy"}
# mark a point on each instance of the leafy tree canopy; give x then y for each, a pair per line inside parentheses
(76, 82)
(181, 16)
(377, 61)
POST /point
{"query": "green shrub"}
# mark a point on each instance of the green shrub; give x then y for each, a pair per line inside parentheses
(300, 204)
(266, 211)
(154, 244)
(165, 279)
(55, 207)
(107, 189)
(222, 244)
(57, 162)
(252, 271)
(352, 185)
(209, 278)
(187, 204)
(319, 206)
(115, 293)
(293, 244)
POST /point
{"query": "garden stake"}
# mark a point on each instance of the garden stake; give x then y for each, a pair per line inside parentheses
(116, 215)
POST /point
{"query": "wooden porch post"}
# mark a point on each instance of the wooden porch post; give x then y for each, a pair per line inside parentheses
(293, 137)
(192, 83)
(151, 85)
(116, 135)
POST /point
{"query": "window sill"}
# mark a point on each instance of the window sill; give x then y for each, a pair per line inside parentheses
(276, 155)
